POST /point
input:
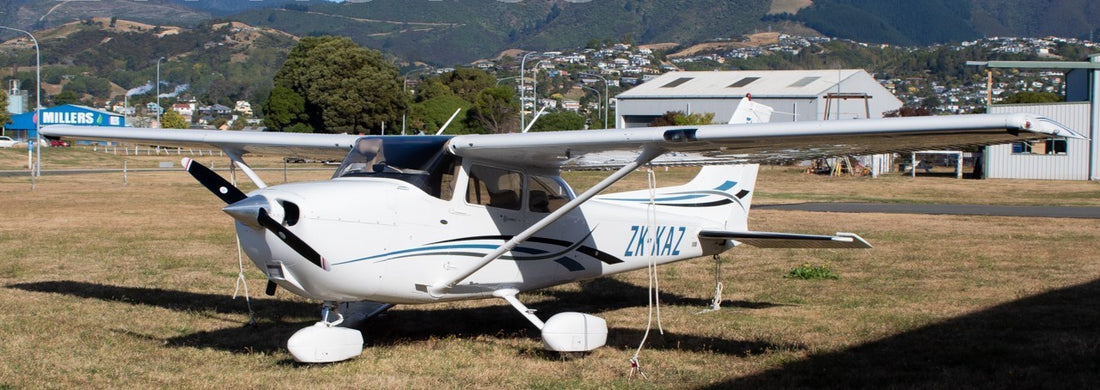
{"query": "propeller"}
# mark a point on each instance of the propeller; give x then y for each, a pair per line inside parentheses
(291, 239)
(250, 210)
(213, 182)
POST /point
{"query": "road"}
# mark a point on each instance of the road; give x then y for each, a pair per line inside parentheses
(942, 209)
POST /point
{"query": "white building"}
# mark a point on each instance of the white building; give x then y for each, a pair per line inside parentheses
(243, 107)
(796, 95)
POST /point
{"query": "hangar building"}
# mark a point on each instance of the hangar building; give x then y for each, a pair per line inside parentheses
(796, 95)
(1055, 159)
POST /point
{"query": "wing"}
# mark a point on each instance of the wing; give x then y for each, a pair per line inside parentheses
(762, 142)
(319, 146)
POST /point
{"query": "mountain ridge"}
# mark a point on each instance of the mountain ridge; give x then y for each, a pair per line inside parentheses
(456, 32)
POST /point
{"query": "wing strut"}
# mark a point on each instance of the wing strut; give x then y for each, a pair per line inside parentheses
(235, 156)
(645, 157)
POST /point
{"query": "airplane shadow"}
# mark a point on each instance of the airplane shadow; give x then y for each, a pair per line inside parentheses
(608, 294)
(278, 319)
(269, 335)
(1050, 340)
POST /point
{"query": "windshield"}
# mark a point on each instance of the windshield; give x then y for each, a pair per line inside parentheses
(418, 160)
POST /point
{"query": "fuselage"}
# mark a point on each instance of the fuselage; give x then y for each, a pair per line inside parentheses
(391, 234)
(385, 241)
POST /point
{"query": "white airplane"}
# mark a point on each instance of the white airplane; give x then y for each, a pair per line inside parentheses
(425, 219)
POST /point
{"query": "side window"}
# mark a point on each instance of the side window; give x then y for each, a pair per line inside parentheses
(494, 187)
(546, 195)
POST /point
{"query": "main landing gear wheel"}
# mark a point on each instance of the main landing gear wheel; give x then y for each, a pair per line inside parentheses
(325, 342)
(563, 332)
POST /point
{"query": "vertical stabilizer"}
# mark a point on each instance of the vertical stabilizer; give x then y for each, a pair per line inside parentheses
(749, 111)
(736, 183)
(718, 197)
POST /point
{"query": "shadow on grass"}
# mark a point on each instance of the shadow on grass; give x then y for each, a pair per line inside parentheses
(279, 319)
(1050, 340)
(608, 294)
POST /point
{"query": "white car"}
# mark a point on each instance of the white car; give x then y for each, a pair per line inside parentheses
(7, 142)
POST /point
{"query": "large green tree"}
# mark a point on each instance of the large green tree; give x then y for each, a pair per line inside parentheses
(465, 83)
(496, 110)
(429, 115)
(343, 87)
(285, 110)
(562, 120)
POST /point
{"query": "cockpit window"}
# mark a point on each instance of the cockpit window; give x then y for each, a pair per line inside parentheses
(417, 160)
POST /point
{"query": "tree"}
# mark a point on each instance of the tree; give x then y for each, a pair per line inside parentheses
(65, 97)
(284, 109)
(907, 111)
(495, 110)
(344, 87)
(465, 83)
(1032, 97)
(468, 82)
(5, 117)
(428, 116)
(678, 118)
(173, 120)
(562, 120)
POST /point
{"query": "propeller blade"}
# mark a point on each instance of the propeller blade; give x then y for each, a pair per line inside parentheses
(213, 182)
(291, 239)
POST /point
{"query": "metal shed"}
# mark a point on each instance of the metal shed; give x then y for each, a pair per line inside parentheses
(796, 95)
(1077, 159)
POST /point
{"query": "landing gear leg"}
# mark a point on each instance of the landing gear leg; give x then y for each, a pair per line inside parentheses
(324, 342)
(563, 332)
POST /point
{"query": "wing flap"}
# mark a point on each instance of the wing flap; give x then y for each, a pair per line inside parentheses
(788, 240)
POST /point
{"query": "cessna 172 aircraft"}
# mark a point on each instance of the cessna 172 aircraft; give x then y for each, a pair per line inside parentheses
(423, 219)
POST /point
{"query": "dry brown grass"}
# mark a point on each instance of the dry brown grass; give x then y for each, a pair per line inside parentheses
(105, 285)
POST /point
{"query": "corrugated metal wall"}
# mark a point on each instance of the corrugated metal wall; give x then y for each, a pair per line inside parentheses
(1001, 163)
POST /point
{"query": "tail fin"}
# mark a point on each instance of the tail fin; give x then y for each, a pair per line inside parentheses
(736, 183)
(749, 111)
(718, 197)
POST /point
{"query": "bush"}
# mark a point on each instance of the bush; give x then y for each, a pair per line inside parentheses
(807, 271)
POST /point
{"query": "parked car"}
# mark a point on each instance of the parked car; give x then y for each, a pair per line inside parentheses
(58, 143)
(7, 142)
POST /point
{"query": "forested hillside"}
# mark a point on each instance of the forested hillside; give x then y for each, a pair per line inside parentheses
(455, 32)
(939, 21)
(221, 62)
(450, 32)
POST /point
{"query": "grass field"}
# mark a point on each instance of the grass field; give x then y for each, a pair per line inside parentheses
(104, 285)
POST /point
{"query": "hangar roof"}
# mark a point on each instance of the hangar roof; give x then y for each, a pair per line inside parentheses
(759, 83)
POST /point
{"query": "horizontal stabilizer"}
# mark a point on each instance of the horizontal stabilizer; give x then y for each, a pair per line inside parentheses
(788, 240)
